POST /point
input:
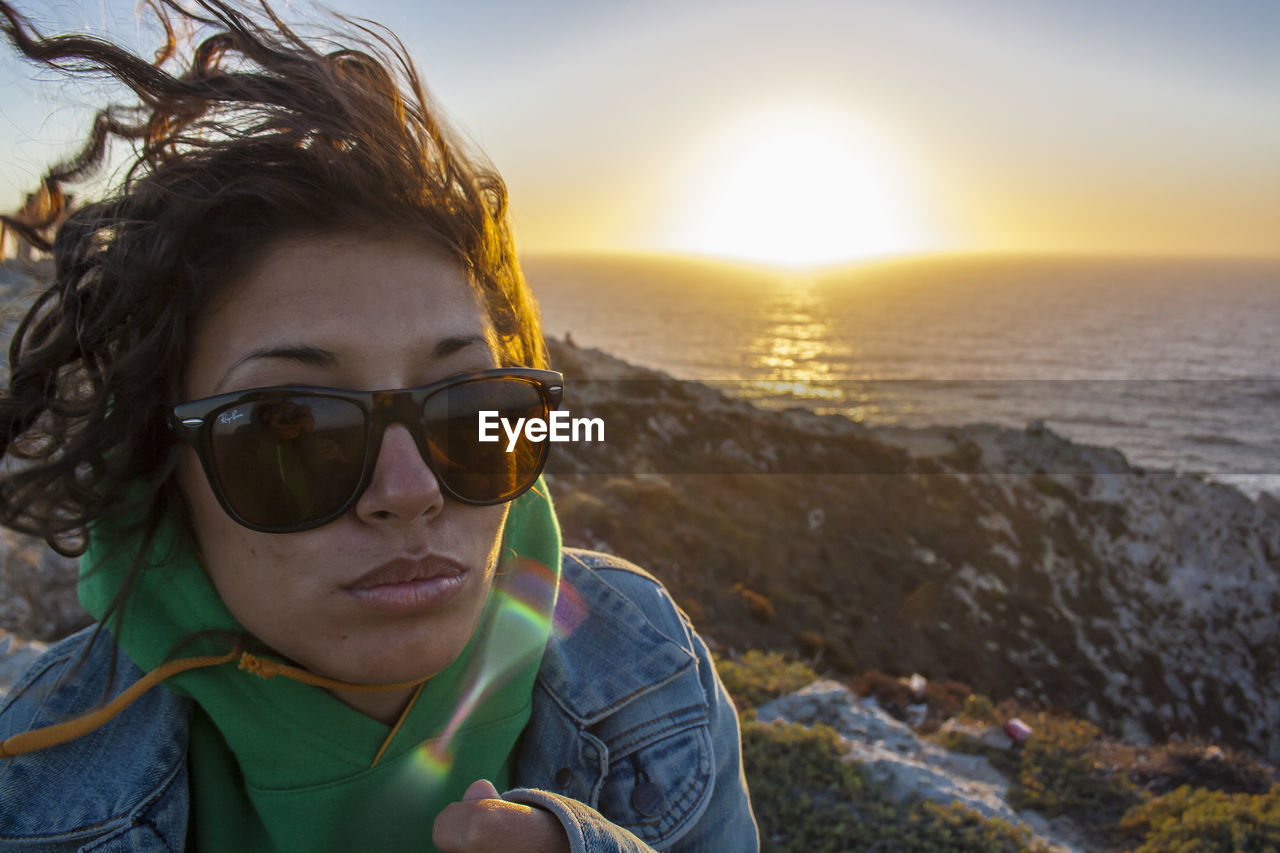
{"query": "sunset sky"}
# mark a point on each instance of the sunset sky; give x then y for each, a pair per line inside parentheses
(816, 132)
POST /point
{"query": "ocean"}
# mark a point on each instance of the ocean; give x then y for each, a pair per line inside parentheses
(1174, 362)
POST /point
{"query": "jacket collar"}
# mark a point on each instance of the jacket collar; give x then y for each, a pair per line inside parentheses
(604, 652)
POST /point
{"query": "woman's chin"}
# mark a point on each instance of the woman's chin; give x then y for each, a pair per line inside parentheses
(407, 654)
(400, 675)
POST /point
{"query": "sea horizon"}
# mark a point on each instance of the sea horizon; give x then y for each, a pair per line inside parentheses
(1167, 359)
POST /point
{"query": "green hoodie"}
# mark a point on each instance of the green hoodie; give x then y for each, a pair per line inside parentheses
(285, 766)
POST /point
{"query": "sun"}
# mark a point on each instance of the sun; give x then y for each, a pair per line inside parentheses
(799, 188)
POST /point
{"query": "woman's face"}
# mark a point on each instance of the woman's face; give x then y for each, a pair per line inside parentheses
(362, 314)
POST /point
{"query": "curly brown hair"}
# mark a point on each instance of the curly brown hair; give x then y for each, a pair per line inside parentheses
(244, 138)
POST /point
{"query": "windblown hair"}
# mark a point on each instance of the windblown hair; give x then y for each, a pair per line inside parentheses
(247, 137)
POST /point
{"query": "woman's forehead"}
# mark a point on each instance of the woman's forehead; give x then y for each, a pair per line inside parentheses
(355, 302)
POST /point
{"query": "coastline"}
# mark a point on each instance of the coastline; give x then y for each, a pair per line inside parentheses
(1016, 561)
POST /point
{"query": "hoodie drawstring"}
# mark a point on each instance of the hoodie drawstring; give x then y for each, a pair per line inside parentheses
(264, 668)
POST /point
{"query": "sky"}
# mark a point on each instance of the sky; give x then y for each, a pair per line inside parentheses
(809, 132)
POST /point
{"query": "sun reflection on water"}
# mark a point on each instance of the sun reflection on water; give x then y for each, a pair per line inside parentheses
(793, 354)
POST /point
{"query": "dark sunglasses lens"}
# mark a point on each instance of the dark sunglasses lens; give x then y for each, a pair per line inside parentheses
(285, 461)
(484, 472)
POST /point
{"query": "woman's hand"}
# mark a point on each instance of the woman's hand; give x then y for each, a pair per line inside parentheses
(483, 822)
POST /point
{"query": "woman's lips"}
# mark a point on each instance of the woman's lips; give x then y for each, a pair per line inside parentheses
(406, 585)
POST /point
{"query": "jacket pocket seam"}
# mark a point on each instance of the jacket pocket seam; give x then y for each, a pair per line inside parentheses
(621, 702)
(623, 744)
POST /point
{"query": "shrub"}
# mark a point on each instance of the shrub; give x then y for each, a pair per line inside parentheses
(888, 690)
(812, 643)
(942, 699)
(1056, 773)
(762, 609)
(808, 798)
(1200, 764)
(946, 698)
(1213, 767)
(758, 677)
(800, 789)
(1194, 819)
(980, 709)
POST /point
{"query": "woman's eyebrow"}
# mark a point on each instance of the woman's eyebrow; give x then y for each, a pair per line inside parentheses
(320, 357)
(448, 346)
(312, 356)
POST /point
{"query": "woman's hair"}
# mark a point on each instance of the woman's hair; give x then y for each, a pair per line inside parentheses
(248, 137)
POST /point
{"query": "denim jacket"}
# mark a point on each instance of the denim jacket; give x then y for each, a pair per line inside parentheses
(633, 742)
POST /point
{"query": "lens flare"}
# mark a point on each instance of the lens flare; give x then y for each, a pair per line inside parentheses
(529, 604)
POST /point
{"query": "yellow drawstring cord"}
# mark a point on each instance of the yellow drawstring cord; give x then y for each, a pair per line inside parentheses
(70, 730)
(266, 668)
(413, 700)
(60, 733)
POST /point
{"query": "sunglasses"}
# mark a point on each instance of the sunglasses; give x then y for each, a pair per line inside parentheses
(286, 459)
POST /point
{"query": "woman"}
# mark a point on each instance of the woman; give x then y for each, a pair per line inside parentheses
(367, 633)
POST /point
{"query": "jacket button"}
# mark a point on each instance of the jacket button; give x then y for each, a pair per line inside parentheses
(564, 778)
(648, 799)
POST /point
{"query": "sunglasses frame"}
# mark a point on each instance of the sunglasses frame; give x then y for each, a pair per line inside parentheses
(193, 424)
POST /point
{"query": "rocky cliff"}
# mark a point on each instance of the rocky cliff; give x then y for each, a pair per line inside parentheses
(1014, 560)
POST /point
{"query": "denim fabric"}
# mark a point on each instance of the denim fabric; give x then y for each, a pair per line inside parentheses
(630, 718)
(633, 742)
(124, 787)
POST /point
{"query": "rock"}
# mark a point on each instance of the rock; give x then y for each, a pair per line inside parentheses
(893, 757)
(37, 589)
(989, 736)
(816, 519)
(16, 655)
(834, 704)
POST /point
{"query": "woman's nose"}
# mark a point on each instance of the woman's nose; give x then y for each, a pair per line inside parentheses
(403, 488)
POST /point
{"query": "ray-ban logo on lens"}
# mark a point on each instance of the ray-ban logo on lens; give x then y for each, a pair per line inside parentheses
(562, 426)
(230, 417)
